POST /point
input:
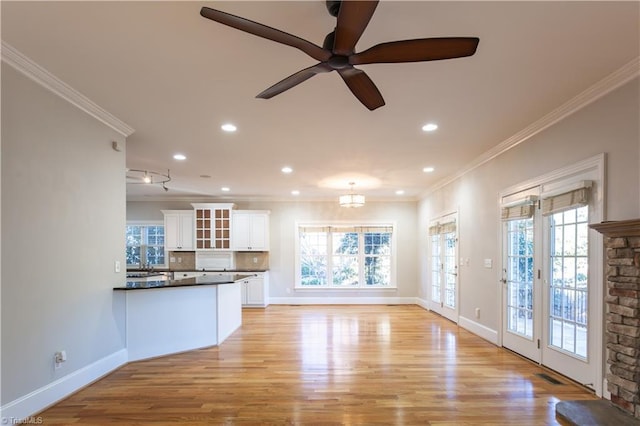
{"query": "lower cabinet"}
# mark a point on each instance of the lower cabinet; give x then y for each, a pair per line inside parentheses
(255, 291)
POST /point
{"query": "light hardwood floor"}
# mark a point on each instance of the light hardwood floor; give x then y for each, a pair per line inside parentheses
(328, 365)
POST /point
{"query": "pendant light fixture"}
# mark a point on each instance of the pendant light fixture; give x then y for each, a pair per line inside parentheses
(352, 199)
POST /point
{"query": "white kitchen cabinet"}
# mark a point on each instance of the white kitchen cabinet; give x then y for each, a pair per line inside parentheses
(178, 230)
(213, 226)
(255, 291)
(250, 231)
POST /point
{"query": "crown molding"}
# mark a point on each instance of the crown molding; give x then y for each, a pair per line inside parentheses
(35, 72)
(611, 82)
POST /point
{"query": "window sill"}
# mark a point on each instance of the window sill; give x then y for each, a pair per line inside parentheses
(325, 289)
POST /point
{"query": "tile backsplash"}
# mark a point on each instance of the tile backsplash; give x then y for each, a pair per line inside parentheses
(182, 260)
(252, 260)
(244, 260)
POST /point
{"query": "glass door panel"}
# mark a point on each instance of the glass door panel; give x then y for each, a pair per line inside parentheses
(520, 277)
(436, 268)
(568, 287)
(450, 270)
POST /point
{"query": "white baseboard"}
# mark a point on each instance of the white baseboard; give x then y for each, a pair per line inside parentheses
(39, 399)
(476, 328)
(422, 303)
(323, 300)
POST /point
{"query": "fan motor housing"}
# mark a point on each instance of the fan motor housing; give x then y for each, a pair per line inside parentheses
(333, 6)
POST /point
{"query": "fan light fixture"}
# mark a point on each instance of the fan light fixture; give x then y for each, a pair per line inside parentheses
(352, 199)
(148, 177)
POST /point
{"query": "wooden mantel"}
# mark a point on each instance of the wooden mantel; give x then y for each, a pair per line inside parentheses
(621, 228)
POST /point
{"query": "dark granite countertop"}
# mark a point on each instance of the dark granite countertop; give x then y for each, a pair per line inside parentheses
(230, 271)
(187, 282)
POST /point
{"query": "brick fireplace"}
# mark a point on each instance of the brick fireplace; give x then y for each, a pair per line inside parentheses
(622, 319)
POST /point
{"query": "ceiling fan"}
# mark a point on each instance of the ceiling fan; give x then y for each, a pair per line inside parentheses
(337, 51)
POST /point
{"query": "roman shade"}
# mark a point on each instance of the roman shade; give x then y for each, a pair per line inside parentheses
(567, 200)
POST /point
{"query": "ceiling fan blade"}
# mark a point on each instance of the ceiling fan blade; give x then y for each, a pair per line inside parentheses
(294, 80)
(362, 87)
(353, 18)
(424, 49)
(267, 32)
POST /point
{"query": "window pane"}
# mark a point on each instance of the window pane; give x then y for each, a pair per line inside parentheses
(155, 255)
(345, 270)
(155, 235)
(377, 243)
(344, 242)
(134, 236)
(313, 243)
(313, 258)
(133, 255)
(313, 270)
(377, 270)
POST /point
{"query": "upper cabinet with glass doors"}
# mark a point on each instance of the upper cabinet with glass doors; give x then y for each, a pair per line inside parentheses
(213, 226)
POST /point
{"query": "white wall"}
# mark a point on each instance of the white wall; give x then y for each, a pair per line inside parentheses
(283, 218)
(610, 125)
(63, 215)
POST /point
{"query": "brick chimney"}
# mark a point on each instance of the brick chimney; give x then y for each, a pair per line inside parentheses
(622, 319)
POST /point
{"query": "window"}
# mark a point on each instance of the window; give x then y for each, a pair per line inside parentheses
(145, 245)
(344, 256)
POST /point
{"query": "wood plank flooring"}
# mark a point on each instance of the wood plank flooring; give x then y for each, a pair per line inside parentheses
(328, 365)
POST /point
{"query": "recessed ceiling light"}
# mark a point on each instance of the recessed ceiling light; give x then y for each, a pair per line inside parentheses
(295, 192)
(225, 189)
(429, 127)
(179, 157)
(228, 127)
(399, 192)
(428, 169)
(286, 169)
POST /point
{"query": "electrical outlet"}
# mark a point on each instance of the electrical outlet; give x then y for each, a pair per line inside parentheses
(116, 266)
(58, 358)
(255, 260)
(477, 312)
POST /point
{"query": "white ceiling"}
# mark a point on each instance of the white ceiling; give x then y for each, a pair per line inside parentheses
(175, 77)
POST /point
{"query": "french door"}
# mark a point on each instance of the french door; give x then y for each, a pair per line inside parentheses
(549, 298)
(443, 237)
(522, 331)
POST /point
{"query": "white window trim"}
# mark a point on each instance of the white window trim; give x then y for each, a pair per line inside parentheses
(361, 287)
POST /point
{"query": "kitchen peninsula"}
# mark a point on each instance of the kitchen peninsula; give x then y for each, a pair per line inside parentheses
(165, 317)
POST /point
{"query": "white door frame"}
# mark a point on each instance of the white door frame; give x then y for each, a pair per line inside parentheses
(597, 347)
